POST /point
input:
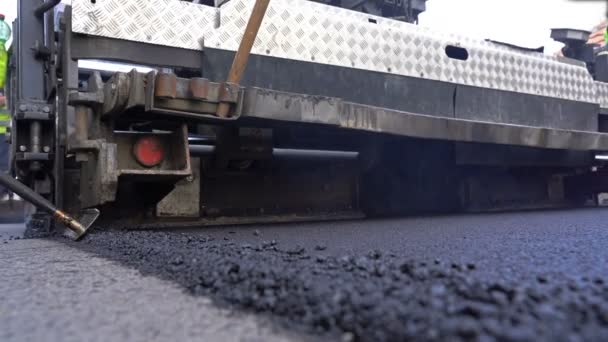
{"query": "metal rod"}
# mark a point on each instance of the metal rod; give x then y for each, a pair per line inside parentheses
(40, 202)
(81, 121)
(44, 7)
(242, 55)
(201, 150)
(287, 153)
(35, 137)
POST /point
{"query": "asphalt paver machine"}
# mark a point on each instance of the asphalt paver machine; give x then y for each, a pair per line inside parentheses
(328, 111)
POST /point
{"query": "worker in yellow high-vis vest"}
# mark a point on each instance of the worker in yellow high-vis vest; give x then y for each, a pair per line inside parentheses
(5, 35)
(5, 118)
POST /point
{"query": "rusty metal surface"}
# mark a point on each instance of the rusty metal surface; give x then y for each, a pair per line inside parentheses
(195, 98)
(199, 87)
(186, 89)
(162, 93)
(267, 104)
(116, 94)
(228, 93)
(185, 108)
(165, 85)
(291, 107)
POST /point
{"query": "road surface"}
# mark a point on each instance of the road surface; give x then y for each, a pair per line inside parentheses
(524, 276)
(53, 292)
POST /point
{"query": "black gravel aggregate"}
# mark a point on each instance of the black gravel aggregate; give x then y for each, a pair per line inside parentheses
(375, 294)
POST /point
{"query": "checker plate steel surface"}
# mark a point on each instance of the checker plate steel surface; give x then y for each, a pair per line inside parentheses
(602, 94)
(312, 32)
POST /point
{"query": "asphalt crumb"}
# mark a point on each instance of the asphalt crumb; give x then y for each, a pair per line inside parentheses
(374, 296)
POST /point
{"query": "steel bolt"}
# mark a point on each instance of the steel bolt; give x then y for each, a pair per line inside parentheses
(46, 109)
(22, 148)
(35, 108)
(22, 107)
(46, 149)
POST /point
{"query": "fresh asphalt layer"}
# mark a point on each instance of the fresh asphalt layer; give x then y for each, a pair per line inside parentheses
(523, 276)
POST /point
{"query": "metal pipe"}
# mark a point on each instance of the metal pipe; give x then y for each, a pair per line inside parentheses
(201, 150)
(287, 153)
(40, 202)
(46, 6)
(242, 55)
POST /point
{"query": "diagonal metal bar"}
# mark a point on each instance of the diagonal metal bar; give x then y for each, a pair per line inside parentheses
(242, 54)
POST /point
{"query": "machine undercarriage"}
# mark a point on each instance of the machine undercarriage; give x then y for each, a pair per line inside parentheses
(340, 114)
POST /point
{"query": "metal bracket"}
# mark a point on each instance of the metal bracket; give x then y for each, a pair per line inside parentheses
(34, 110)
(41, 51)
(229, 93)
(31, 143)
(31, 156)
(75, 145)
(90, 99)
(196, 98)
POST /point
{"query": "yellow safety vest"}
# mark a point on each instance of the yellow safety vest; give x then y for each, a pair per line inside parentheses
(5, 121)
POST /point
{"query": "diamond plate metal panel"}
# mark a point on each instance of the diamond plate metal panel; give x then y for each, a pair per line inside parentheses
(313, 32)
(161, 22)
(602, 94)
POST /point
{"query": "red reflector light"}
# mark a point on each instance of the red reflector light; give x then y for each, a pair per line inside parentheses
(149, 151)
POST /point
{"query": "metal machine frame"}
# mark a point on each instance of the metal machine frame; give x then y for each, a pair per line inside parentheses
(391, 80)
